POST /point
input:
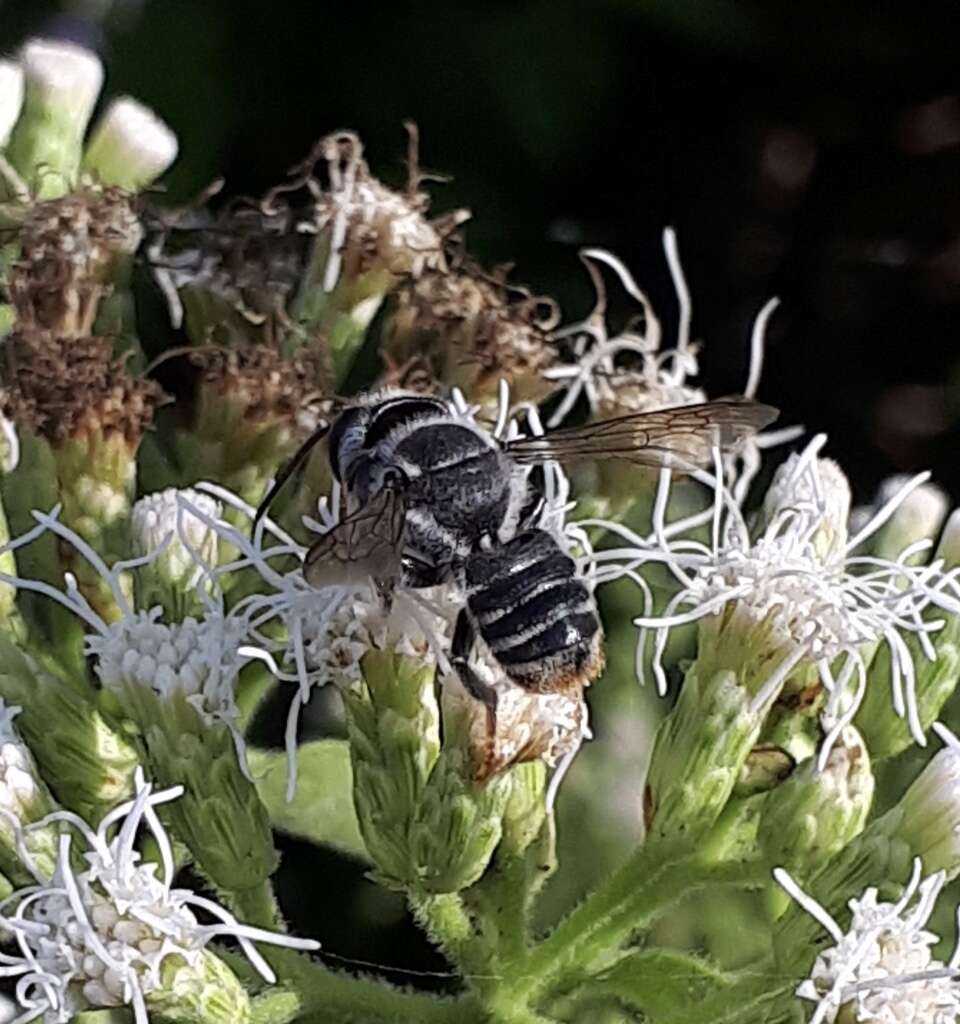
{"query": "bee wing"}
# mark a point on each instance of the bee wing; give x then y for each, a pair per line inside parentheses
(367, 543)
(680, 437)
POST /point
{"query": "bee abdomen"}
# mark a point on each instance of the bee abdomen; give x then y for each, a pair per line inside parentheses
(537, 618)
(565, 655)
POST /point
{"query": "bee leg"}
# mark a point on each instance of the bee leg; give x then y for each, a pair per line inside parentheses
(460, 650)
(461, 647)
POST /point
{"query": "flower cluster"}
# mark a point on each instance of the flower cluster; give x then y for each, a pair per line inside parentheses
(161, 597)
(116, 932)
(882, 967)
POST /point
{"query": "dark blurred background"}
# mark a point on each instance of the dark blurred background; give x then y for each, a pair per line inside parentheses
(802, 150)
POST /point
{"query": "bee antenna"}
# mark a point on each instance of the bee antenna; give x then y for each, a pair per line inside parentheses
(299, 456)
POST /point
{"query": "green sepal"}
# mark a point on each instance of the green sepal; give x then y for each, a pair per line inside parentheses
(661, 984)
(33, 485)
(698, 755)
(220, 816)
(87, 763)
(207, 992)
(818, 810)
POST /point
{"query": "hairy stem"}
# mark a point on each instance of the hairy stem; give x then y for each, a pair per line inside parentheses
(448, 923)
(653, 879)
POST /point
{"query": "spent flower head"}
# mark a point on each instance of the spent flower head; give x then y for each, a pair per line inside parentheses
(882, 967)
(106, 934)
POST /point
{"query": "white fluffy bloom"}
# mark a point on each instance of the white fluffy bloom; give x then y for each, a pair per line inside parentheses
(20, 790)
(11, 97)
(799, 579)
(326, 631)
(132, 137)
(198, 659)
(99, 937)
(162, 525)
(882, 967)
(63, 77)
(630, 371)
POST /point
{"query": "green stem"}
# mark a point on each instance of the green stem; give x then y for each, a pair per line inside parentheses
(653, 878)
(446, 920)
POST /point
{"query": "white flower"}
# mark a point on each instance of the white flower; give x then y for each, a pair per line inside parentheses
(647, 378)
(11, 97)
(131, 138)
(99, 937)
(161, 524)
(61, 77)
(326, 631)
(20, 790)
(198, 659)
(882, 967)
(800, 580)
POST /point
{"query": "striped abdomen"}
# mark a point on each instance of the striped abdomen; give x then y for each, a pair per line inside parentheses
(537, 618)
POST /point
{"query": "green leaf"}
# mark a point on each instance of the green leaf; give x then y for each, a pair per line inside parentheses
(322, 806)
(672, 987)
(660, 982)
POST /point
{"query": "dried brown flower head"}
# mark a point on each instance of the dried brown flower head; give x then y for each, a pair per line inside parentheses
(250, 259)
(68, 252)
(372, 228)
(470, 329)
(65, 390)
(267, 386)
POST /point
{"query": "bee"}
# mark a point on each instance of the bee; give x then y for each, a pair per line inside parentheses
(433, 498)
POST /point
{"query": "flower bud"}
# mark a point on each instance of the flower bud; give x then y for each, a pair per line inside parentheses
(825, 488)
(24, 799)
(393, 723)
(888, 733)
(459, 821)
(817, 811)
(92, 764)
(698, 755)
(918, 517)
(202, 988)
(927, 818)
(11, 98)
(131, 147)
(175, 684)
(61, 85)
(162, 525)
(525, 810)
(924, 825)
